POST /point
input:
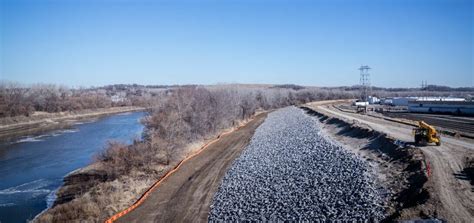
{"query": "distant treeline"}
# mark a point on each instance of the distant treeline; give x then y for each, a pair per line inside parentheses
(20, 100)
(429, 88)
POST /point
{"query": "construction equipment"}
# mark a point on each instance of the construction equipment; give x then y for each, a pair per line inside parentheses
(425, 134)
(361, 106)
(361, 109)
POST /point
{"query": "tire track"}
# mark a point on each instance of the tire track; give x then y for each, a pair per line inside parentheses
(185, 196)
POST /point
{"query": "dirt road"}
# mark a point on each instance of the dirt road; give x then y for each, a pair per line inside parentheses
(186, 195)
(455, 194)
(459, 124)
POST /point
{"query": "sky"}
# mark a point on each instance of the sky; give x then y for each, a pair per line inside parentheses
(318, 43)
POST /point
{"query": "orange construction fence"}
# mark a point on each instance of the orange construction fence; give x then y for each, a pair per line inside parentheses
(157, 183)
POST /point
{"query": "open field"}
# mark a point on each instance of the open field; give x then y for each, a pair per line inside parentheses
(450, 194)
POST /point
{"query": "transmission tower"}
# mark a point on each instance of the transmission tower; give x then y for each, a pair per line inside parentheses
(424, 85)
(364, 82)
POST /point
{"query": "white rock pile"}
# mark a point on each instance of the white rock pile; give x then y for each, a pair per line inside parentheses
(290, 172)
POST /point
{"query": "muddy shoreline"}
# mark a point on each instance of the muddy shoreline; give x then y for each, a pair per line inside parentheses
(55, 121)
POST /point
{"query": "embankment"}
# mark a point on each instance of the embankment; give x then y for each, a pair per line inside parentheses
(24, 126)
(91, 195)
(401, 167)
(185, 194)
(292, 172)
(78, 182)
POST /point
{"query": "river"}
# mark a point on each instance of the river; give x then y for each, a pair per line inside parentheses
(32, 168)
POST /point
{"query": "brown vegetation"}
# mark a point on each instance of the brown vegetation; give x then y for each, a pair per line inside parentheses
(23, 101)
(18, 100)
(180, 117)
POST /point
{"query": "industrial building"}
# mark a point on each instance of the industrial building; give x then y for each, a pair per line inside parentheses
(444, 105)
(398, 101)
(373, 100)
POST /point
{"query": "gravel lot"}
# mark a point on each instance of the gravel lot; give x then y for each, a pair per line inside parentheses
(291, 172)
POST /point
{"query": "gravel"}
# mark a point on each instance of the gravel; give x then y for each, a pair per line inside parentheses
(291, 172)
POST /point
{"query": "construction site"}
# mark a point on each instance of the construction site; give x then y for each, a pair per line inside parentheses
(423, 148)
(236, 111)
(350, 160)
(319, 161)
(429, 180)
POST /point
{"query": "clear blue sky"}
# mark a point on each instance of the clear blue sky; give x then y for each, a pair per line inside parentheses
(322, 43)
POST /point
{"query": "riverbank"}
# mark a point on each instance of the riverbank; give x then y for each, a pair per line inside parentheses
(16, 127)
(87, 195)
(45, 160)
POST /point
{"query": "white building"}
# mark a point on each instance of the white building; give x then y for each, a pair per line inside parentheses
(398, 101)
(117, 98)
(404, 101)
(373, 100)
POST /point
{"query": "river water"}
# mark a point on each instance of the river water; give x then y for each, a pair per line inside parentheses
(32, 168)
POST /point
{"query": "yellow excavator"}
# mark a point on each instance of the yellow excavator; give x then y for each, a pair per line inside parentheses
(425, 134)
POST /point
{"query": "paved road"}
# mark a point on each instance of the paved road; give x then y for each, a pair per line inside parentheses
(186, 195)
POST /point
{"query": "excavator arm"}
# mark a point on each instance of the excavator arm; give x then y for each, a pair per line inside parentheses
(431, 130)
(432, 135)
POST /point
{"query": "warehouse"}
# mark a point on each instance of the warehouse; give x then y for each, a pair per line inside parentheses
(398, 101)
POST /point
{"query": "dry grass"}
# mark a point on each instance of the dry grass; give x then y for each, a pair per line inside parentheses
(104, 199)
(178, 124)
(107, 198)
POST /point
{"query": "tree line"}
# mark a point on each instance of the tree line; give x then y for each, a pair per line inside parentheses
(177, 117)
(190, 114)
(20, 100)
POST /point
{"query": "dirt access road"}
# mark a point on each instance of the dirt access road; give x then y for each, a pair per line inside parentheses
(454, 196)
(459, 124)
(186, 195)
